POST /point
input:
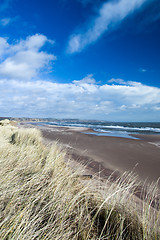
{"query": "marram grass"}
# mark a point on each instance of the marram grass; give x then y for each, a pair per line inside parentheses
(42, 198)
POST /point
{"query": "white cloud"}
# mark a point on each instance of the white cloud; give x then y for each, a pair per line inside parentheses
(85, 100)
(110, 14)
(25, 59)
(123, 107)
(3, 46)
(117, 80)
(156, 108)
(88, 79)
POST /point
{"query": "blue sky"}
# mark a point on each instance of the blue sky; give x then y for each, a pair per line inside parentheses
(80, 59)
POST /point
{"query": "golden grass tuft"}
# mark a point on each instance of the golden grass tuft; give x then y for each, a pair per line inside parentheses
(42, 198)
(4, 122)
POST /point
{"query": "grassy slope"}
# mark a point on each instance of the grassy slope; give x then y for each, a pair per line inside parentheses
(41, 197)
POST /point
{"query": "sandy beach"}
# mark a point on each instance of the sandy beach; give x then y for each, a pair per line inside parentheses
(108, 154)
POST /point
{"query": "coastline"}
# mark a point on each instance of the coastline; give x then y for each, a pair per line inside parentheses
(107, 155)
(45, 174)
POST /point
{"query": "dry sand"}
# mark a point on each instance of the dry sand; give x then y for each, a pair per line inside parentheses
(107, 154)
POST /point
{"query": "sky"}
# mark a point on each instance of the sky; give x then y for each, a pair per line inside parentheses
(86, 59)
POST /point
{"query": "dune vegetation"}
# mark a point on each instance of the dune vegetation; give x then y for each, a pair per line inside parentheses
(41, 196)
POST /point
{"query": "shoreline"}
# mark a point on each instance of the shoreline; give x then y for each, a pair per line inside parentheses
(105, 154)
(44, 172)
(150, 137)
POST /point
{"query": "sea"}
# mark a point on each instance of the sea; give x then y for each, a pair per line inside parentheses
(105, 128)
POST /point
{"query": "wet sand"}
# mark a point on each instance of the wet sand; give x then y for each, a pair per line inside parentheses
(107, 154)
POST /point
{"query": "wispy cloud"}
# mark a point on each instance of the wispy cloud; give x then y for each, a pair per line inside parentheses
(143, 70)
(25, 59)
(80, 99)
(110, 14)
(88, 79)
(117, 80)
(5, 21)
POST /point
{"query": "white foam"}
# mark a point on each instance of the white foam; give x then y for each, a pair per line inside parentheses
(101, 128)
(133, 128)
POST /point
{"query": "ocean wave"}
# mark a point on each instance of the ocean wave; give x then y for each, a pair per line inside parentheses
(117, 127)
(150, 129)
(108, 128)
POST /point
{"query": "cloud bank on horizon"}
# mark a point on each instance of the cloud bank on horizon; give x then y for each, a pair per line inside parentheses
(85, 99)
(109, 15)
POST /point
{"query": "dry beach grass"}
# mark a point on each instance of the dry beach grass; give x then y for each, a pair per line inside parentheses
(42, 198)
